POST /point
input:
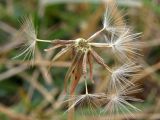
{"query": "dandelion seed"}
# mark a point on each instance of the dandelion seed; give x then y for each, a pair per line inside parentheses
(125, 46)
(90, 101)
(122, 75)
(117, 101)
(87, 104)
(29, 36)
(110, 24)
(112, 21)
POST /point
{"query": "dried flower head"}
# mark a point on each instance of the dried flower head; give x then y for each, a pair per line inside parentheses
(117, 37)
(83, 51)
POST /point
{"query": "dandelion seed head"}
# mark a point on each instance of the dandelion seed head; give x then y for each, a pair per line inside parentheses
(124, 45)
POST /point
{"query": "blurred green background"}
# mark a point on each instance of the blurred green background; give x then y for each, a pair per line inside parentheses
(26, 93)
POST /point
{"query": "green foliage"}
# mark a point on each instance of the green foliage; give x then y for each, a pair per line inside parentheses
(154, 5)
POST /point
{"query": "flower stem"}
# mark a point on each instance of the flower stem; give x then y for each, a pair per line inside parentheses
(103, 45)
(109, 69)
(95, 35)
(47, 41)
(86, 86)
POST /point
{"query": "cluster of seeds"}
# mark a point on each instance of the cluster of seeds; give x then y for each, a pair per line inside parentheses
(82, 45)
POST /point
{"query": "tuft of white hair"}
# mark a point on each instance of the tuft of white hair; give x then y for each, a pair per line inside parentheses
(125, 46)
(121, 76)
(117, 102)
(112, 21)
(29, 37)
(90, 101)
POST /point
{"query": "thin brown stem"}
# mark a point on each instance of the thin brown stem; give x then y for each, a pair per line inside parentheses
(12, 115)
(53, 48)
(62, 42)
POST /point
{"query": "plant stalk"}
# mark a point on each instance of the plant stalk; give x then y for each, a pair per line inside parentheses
(46, 41)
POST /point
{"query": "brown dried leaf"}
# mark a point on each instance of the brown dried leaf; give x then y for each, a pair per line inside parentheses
(62, 52)
(62, 42)
(77, 75)
(75, 62)
(99, 60)
(90, 62)
(84, 64)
